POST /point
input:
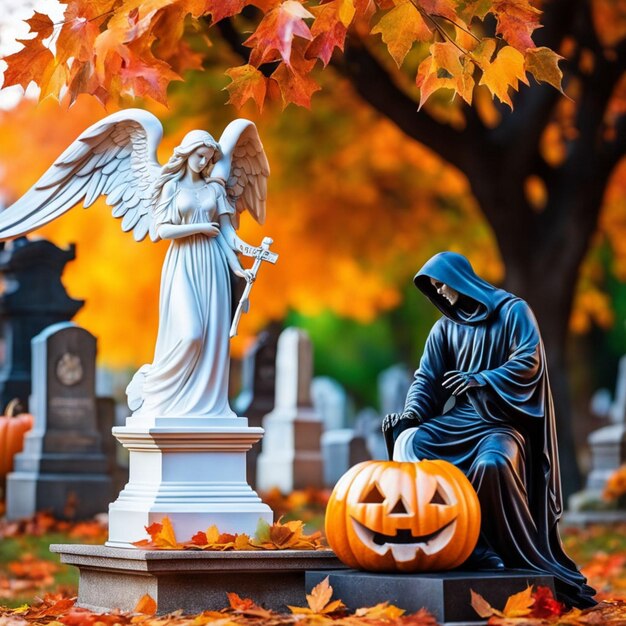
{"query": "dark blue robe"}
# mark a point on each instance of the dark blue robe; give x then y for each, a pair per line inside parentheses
(500, 434)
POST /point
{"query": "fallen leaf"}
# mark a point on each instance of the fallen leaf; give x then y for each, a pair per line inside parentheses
(146, 605)
(481, 606)
(518, 605)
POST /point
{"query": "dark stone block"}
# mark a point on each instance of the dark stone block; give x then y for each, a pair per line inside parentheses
(445, 594)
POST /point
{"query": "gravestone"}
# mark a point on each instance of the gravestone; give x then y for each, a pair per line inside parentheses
(62, 467)
(393, 385)
(341, 449)
(368, 424)
(291, 456)
(258, 382)
(608, 453)
(331, 402)
(33, 299)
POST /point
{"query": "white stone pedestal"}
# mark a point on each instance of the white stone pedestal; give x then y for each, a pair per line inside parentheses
(190, 469)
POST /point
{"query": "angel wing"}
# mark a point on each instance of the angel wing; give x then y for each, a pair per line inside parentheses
(244, 167)
(115, 157)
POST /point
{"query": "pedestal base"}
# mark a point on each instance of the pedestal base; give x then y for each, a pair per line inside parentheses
(192, 470)
(113, 578)
(445, 594)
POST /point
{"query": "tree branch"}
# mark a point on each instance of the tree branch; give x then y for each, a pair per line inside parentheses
(374, 84)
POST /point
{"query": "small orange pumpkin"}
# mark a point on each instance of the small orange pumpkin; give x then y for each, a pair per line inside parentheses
(391, 516)
(13, 426)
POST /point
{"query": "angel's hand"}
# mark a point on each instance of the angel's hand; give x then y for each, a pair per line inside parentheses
(458, 382)
(248, 275)
(211, 229)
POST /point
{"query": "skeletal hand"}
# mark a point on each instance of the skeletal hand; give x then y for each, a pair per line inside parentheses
(391, 421)
(458, 382)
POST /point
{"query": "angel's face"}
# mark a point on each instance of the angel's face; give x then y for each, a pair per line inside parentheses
(200, 158)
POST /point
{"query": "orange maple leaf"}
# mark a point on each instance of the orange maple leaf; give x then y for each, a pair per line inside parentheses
(146, 605)
(517, 20)
(41, 24)
(246, 606)
(162, 536)
(518, 605)
(28, 64)
(296, 86)
(381, 611)
(328, 30)
(220, 9)
(247, 83)
(401, 28)
(319, 601)
(273, 37)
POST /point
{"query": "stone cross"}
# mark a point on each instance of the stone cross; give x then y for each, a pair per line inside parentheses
(62, 467)
(291, 456)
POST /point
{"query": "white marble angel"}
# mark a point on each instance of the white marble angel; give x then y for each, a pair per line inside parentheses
(194, 201)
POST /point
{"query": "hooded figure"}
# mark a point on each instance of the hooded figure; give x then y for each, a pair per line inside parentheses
(486, 353)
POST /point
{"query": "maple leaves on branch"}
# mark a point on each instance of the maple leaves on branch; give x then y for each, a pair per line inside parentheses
(119, 48)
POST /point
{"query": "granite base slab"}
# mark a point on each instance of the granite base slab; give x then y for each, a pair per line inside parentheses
(445, 594)
(116, 578)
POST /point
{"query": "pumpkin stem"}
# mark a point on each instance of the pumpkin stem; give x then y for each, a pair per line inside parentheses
(15, 407)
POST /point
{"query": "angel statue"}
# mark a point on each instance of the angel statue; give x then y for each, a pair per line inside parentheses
(194, 201)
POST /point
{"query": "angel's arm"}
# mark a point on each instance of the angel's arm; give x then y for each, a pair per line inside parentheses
(232, 259)
(231, 238)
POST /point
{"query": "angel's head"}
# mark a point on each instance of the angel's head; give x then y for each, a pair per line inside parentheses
(197, 151)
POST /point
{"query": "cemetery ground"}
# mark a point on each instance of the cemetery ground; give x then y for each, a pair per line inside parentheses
(36, 589)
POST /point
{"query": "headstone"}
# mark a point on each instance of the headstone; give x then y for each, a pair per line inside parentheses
(341, 449)
(368, 423)
(291, 456)
(331, 402)
(258, 382)
(601, 403)
(62, 467)
(393, 385)
(33, 299)
(608, 453)
(617, 412)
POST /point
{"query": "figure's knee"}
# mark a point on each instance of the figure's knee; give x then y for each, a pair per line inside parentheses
(490, 463)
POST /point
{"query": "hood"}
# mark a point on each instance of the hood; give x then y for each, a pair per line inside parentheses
(479, 299)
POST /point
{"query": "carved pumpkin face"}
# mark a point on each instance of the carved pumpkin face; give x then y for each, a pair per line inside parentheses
(390, 516)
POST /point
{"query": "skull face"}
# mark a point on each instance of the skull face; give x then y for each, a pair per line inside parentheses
(403, 516)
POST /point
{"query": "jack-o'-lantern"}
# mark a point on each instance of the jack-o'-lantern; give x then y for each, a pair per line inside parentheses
(391, 516)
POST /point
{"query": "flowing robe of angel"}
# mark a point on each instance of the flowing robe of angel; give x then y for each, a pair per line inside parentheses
(501, 434)
(189, 373)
